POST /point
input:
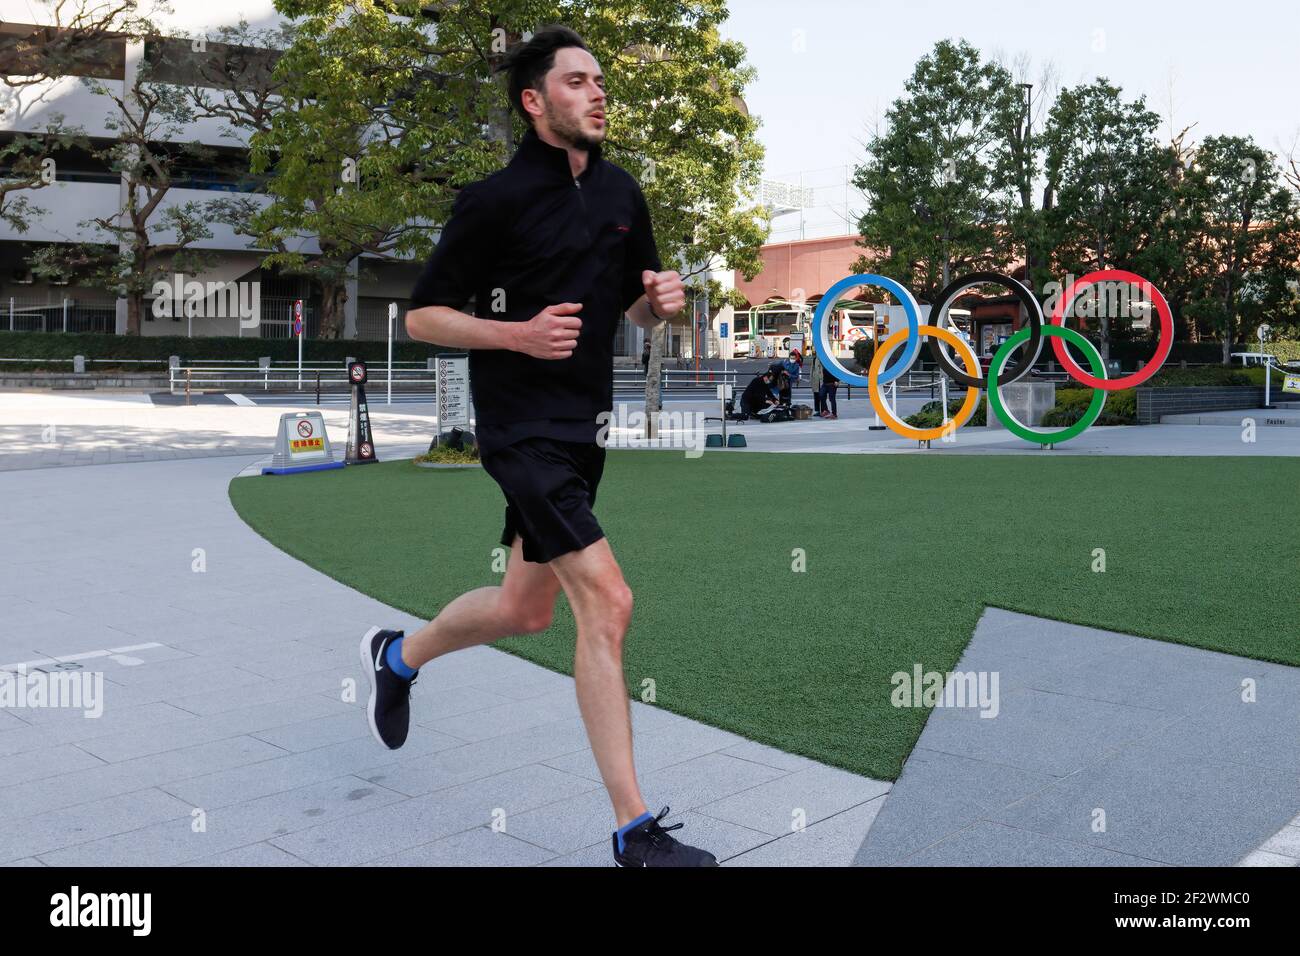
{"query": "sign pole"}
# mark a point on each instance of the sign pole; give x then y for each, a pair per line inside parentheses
(724, 345)
(361, 446)
(297, 331)
(392, 322)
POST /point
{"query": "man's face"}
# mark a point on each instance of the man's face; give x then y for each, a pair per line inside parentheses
(573, 99)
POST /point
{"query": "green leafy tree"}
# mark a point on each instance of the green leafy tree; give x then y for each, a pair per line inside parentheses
(146, 240)
(28, 163)
(1248, 236)
(933, 178)
(407, 97)
(1111, 187)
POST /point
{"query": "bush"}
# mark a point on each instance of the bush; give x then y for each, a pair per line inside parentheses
(1071, 403)
(930, 415)
(1129, 353)
(1214, 375)
(1284, 350)
(446, 455)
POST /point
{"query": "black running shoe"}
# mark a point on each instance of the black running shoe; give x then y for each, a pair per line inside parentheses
(389, 709)
(650, 845)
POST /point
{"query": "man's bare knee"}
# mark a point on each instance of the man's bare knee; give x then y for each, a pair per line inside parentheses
(613, 601)
(526, 618)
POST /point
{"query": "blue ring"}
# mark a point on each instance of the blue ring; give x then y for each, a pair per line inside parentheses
(820, 323)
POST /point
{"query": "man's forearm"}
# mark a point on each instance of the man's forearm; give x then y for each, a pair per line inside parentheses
(640, 314)
(440, 325)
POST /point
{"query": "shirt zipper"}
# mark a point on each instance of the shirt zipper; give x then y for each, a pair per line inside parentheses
(585, 228)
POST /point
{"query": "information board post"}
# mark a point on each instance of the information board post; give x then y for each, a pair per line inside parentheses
(452, 376)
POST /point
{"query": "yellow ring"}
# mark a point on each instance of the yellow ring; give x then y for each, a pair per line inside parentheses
(900, 427)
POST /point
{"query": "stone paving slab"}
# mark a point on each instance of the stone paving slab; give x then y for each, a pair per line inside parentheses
(1107, 749)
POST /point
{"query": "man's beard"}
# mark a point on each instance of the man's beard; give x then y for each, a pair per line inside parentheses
(569, 130)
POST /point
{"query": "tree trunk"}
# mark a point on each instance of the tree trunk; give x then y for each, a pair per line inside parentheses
(1103, 319)
(498, 119)
(334, 297)
(1227, 321)
(134, 312)
(654, 374)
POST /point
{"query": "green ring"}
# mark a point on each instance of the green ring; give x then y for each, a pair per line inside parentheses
(1024, 431)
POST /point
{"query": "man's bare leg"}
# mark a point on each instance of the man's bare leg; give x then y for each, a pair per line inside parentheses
(602, 606)
(522, 604)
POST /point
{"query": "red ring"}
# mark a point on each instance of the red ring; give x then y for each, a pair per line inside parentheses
(1163, 345)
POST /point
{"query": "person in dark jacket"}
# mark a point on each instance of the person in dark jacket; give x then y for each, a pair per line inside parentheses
(815, 379)
(830, 385)
(758, 394)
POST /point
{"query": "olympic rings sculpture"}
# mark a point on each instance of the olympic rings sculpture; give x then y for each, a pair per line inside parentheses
(1031, 337)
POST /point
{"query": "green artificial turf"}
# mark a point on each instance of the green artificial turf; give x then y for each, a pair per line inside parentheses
(903, 552)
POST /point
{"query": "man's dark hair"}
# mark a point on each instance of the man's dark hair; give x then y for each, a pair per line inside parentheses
(528, 63)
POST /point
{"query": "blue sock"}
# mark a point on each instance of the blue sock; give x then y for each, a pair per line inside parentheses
(394, 658)
(632, 826)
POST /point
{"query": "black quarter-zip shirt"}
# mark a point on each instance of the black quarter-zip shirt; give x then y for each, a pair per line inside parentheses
(529, 236)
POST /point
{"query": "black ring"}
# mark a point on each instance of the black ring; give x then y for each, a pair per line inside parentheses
(1034, 345)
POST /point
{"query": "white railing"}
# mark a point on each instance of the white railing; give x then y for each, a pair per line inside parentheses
(317, 376)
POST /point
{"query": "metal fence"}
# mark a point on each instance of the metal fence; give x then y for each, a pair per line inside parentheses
(372, 319)
(67, 314)
(276, 320)
(286, 376)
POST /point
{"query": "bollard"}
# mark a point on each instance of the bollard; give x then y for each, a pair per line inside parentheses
(187, 386)
(79, 365)
(318, 388)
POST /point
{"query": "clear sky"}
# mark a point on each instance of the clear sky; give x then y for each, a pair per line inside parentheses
(1234, 67)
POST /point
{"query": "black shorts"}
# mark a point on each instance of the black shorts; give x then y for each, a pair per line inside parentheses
(550, 486)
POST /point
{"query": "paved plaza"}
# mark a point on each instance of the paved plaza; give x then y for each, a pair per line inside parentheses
(228, 736)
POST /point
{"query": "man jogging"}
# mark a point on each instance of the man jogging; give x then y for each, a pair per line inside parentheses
(553, 250)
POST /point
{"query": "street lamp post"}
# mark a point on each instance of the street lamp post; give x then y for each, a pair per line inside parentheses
(1029, 189)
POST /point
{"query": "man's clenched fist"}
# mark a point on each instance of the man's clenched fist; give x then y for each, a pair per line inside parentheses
(552, 333)
(665, 292)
